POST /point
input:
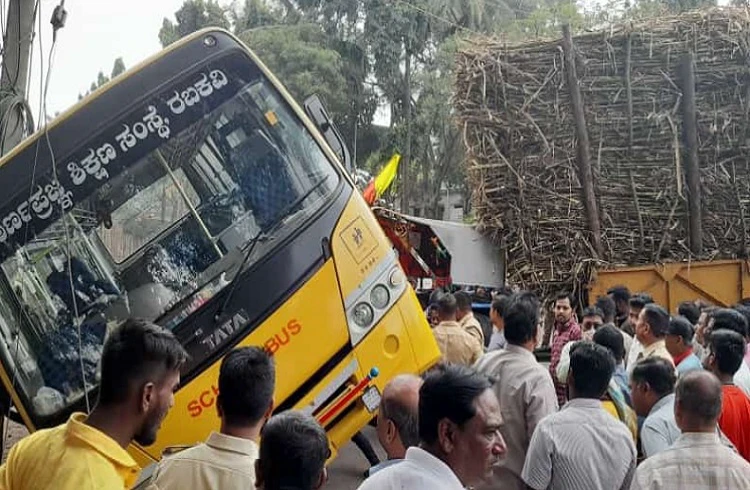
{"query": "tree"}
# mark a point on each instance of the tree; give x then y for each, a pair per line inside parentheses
(193, 16)
(101, 78)
(298, 57)
(118, 68)
(255, 13)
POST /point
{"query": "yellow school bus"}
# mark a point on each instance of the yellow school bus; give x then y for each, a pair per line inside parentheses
(194, 192)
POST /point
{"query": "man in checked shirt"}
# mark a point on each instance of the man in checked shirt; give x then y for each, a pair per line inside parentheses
(566, 330)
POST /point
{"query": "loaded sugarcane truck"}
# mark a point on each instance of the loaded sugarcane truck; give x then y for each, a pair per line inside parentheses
(615, 157)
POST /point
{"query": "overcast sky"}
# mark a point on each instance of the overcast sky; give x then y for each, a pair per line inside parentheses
(96, 33)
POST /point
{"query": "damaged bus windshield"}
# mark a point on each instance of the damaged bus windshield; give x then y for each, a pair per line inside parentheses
(150, 218)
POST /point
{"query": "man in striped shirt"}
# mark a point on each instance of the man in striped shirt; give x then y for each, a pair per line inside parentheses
(582, 447)
(697, 459)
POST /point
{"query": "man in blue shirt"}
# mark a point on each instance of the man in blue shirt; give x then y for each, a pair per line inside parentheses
(679, 343)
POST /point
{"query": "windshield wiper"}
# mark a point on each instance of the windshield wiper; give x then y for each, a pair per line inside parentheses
(262, 233)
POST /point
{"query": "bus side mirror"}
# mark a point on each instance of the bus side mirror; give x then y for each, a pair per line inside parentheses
(317, 112)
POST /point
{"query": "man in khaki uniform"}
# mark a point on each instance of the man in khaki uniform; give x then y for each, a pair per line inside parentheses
(466, 318)
(227, 458)
(456, 344)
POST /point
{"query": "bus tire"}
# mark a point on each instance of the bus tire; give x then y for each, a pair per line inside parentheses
(364, 445)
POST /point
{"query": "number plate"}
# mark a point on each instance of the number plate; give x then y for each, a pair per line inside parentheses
(371, 398)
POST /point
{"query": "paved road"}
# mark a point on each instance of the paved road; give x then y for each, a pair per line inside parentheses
(346, 472)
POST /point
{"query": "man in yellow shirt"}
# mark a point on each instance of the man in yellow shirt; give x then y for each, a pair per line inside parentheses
(140, 370)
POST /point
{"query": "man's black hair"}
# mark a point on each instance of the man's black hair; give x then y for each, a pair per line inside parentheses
(590, 311)
(564, 295)
(699, 394)
(463, 301)
(619, 293)
(521, 317)
(449, 392)
(640, 300)
(447, 305)
(681, 327)
(134, 354)
(657, 318)
(500, 303)
(690, 311)
(246, 382)
(435, 296)
(591, 368)
(658, 373)
(728, 348)
(743, 310)
(293, 451)
(729, 319)
(608, 307)
(610, 337)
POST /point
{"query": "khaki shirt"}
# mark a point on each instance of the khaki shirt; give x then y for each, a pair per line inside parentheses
(526, 394)
(456, 344)
(657, 349)
(472, 325)
(221, 462)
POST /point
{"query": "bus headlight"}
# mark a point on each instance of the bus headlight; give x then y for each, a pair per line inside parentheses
(374, 297)
(363, 315)
(379, 297)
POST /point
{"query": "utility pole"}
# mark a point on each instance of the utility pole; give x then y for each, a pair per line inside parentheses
(15, 73)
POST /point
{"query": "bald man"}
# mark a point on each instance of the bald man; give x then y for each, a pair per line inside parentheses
(697, 459)
(398, 429)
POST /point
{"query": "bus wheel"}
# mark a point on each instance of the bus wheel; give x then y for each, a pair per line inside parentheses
(364, 445)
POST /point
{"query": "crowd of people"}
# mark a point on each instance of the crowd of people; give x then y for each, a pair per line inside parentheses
(666, 407)
(632, 398)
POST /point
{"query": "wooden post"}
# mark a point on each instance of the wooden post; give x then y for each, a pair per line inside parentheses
(690, 160)
(585, 174)
(629, 92)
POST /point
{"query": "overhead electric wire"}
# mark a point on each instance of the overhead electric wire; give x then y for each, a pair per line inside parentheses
(37, 11)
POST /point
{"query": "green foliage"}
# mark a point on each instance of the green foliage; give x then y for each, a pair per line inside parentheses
(255, 13)
(118, 68)
(101, 78)
(298, 56)
(193, 16)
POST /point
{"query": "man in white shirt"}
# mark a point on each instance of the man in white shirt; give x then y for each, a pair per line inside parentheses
(697, 459)
(397, 419)
(582, 447)
(497, 340)
(636, 303)
(459, 432)
(227, 458)
(652, 392)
